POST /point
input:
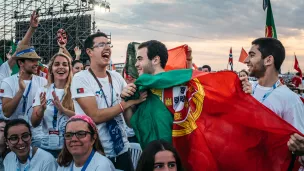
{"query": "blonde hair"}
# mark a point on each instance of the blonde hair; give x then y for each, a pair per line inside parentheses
(67, 101)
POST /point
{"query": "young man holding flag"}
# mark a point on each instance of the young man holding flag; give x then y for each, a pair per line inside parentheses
(264, 61)
(207, 116)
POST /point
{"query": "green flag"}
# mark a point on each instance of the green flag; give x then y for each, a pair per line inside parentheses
(270, 29)
(152, 120)
(130, 69)
(15, 68)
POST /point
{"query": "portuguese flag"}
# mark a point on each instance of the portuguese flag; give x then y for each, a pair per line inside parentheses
(270, 29)
(211, 122)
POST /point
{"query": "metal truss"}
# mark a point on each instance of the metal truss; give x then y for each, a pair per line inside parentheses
(74, 16)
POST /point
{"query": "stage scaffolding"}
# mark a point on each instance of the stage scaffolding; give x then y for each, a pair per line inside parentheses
(75, 16)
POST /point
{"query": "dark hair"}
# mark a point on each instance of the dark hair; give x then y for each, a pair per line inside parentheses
(89, 41)
(75, 62)
(298, 74)
(208, 67)
(15, 122)
(244, 72)
(147, 158)
(6, 150)
(22, 60)
(65, 157)
(156, 48)
(271, 46)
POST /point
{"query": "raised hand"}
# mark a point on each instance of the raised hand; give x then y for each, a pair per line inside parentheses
(189, 54)
(34, 22)
(77, 51)
(22, 85)
(57, 102)
(8, 55)
(43, 100)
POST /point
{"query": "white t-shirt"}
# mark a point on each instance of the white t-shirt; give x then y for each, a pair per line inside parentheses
(10, 87)
(41, 161)
(284, 103)
(5, 71)
(84, 85)
(48, 142)
(98, 163)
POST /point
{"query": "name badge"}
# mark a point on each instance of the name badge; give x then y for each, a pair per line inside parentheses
(53, 138)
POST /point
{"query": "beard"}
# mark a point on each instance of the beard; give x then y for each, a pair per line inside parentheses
(259, 70)
(148, 69)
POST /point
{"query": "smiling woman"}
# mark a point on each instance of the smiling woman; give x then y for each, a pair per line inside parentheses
(53, 104)
(82, 148)
(24, 157)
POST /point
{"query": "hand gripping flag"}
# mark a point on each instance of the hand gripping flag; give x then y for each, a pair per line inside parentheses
(212, 123)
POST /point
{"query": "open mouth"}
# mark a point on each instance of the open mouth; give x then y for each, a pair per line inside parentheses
(106, 55)
(61, 72)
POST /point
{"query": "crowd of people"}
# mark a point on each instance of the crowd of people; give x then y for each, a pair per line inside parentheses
(79, 119)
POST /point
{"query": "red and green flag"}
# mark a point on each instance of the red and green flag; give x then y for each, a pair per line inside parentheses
(211, 122)
(270, 29)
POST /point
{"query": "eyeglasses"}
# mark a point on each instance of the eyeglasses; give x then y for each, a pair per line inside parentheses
(78, 134)
(14, 139)
(103, 45)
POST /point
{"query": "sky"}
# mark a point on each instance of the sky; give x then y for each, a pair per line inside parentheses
(209, 27)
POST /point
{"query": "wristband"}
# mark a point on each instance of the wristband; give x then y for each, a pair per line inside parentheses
(122, 109)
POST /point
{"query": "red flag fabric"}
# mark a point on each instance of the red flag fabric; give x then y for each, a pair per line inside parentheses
(243, 55)
(228, 129)
(297, 67)
(177, 58)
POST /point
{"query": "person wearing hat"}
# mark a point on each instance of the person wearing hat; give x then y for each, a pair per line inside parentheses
(17, 92)
(6, 71)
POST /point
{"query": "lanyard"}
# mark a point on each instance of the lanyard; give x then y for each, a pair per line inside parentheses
(275, 85)
(25, 97)
(100, 86)
(55, 112)
(27, 167)
(86, 164)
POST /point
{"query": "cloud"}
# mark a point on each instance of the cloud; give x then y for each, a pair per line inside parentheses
(211, 27)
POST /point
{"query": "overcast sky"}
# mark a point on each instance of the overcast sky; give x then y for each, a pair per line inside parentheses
(210, 27)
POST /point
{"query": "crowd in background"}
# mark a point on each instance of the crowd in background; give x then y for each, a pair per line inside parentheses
(78, 119)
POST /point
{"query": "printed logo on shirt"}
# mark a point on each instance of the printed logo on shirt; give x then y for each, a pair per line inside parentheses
(1, 90)
(80, 90)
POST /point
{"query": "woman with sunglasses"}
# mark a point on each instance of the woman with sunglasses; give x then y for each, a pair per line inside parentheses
(82, 148)
(23, 157)
(53, 104)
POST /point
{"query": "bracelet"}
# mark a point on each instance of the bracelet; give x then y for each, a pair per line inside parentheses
(122, 109)
(33, 27)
